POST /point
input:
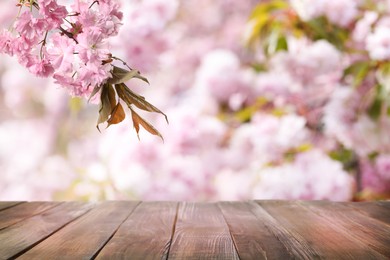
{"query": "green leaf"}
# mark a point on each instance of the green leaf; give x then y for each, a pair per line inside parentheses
(321, 28)
(267, 21)
(267, 7)
(345, 156)
(138, 120)
(282, 44)
(131, 98)
(358, 71)
(255, 27)
(120, 75)
(374, 111)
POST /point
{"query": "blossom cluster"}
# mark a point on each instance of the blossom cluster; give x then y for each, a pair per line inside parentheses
(69, 44)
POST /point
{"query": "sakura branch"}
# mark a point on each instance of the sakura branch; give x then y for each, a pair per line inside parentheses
(70, 44)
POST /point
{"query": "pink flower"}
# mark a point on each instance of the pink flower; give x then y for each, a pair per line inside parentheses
(221, 77)
(6, 40)
(371, 179)
(31, 28)
(378, 43)
(312, 176)
(340, 12)
(308, 9)
(52, 12)
(92, 47)
(364, 26)
(75, 87)
(41, 68)
(60, 52)
(382, 165)
(21, 46)
(93, 75)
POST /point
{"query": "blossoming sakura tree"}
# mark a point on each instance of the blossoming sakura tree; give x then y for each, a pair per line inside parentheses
(266, 99)
(72, 47)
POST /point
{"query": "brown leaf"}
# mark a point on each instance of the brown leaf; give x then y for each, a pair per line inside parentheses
(105, 106)
(117, 115)
(107, 103)
(138, 120)
(120, 75)
(111, 96)
(139, 101)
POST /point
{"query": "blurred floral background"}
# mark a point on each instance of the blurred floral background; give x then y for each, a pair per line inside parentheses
(266, 100)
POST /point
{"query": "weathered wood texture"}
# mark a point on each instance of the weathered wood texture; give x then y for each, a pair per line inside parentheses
(146, 234)
(22, 211)
(181, 230)
(8, 204)
(84, 237)
(201, 232)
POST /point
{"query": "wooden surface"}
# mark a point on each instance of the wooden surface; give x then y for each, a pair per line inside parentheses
(184, 230)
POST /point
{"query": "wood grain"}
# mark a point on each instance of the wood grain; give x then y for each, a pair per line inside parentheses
(201, 233)
(22, 211)
(322, 236)
(25, 234)
(253, 238)
(372, 209)
(373, 233)
(9, 204)
(146, 233)
(295, 243)
(179, 230)
(84, 237)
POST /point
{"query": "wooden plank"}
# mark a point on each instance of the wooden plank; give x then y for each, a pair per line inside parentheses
(84, 237)
(384, 203)
(22, 211)
(322, 236)
(20, 237)
(201, 233)
(9, 204)
(295, 243)
(146, 234)
(375, 234)
(371, 209)
(252, 238)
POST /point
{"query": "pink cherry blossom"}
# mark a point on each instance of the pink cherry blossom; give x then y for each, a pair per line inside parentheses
(378, 43)
(52, 13)
(382, 164)
(340, 12)
(6, 40)
(30, 27)
(60, 51)
(41, 68)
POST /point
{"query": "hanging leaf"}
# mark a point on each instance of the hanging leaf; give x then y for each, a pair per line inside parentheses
(94, 92)
(120, 75)
(138, 120)
(132, 98)
(111, 97)
(105, 105)
(111, 110)
(117, 115)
